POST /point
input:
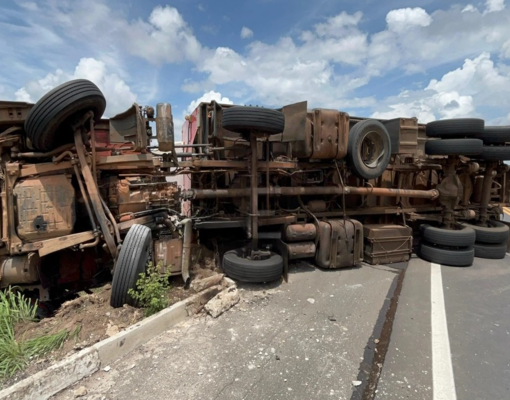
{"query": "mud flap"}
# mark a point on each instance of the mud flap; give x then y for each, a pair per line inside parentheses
(340, 244)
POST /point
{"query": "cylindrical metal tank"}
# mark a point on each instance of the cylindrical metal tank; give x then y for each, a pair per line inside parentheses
(165, 127)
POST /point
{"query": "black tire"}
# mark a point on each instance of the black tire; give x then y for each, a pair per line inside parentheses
(454, 147)
(245, 119)
(255, 271)
(456, 128)
(495, 153)
(48, 123)
(490, 251)
(496, 233)
(365, 164)
(457, 258)
(496, 134)
(463, 237)
(132, 261)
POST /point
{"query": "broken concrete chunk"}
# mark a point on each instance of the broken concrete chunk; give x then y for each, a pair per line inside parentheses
(201, 284)
(222, 302)
(227, 282)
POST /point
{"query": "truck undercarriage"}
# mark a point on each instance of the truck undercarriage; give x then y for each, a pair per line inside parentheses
(84, 198)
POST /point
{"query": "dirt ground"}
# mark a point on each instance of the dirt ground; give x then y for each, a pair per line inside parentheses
(89, 318)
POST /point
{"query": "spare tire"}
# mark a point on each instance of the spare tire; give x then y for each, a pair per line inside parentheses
(463, 237)
(454, 257)
(495, 153)
(48, 123)
(369, 149)
(490, 251)
(456, 128)
(454, 147)
(133, 257)
(244, 119)
(243, 269)
(496, 134)
(497, 232)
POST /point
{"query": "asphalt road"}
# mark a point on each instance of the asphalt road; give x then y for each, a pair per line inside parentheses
(335, 335)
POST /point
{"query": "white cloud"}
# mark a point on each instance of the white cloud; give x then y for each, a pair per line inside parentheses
(246, 33)
(207, 98)
(118, 94)
(404, 19)
(201, 7)
(469, 8)
(494, 6)
(478, 83)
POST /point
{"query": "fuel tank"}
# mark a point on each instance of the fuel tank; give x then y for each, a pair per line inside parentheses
(45, 207)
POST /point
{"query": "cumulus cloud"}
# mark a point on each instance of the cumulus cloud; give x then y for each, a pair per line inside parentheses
(469, 8)
(494, 6)
(478, 83)
(404, 19)
(246, 33)
(118, 94)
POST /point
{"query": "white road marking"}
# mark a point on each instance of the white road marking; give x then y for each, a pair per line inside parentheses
(442, 370)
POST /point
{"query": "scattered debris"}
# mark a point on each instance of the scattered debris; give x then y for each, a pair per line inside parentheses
(223, 301)
(107, 368)
(80, 392)
(376, 341)
(310, 300)
(356, 383)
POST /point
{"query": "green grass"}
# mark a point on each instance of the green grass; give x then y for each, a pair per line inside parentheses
(15, 354)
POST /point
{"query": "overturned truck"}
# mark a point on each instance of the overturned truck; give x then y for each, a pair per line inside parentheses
(86, 199)
(338, 190)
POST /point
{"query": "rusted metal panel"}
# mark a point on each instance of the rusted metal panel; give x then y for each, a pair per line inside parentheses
(168, 254)
(301, 250)
(13, 113)
(330, 134)
(129, 126)
(385, 244)
(340, 243)
(403, 134)
(300, 232)
(45, 207)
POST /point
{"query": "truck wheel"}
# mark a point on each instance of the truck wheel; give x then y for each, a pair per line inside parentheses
(490, 251)
(48, 123)
(463, 237)
(496, 134)
(496, 233)
(454, 147)
(456, 128)
(244, 119)
(369, 149)
(243, 269)
(455, 257)
(132, 261)
(495, 153)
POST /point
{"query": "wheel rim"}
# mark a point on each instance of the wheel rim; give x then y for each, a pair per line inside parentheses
(372, 149)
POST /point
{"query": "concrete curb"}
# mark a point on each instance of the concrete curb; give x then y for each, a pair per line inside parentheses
(52, 380)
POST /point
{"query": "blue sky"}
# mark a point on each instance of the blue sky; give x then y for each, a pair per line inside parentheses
(429, 59)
